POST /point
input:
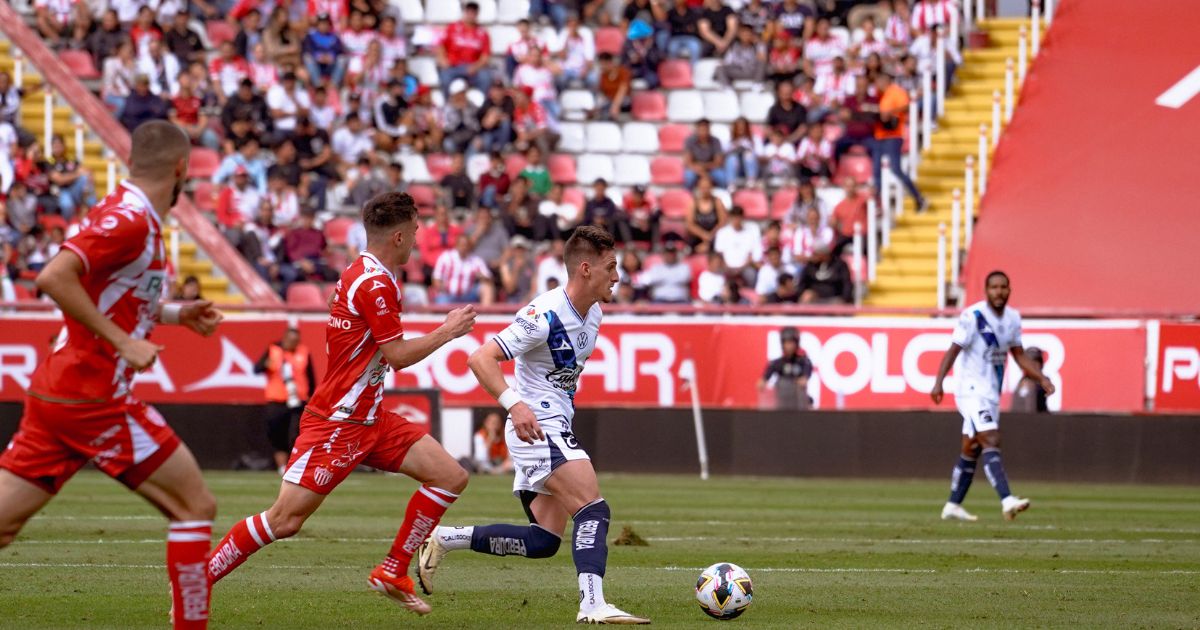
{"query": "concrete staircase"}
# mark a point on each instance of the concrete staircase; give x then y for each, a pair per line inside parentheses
(192, 261)
(906, 275)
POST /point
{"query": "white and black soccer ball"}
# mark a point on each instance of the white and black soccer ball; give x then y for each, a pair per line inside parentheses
(724, 591)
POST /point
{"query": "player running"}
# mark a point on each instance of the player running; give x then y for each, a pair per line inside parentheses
(110, 280)
(550, 341)
(343, 426)
(986, 332)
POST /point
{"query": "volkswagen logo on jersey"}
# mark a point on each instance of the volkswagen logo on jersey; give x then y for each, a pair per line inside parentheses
(583, 339)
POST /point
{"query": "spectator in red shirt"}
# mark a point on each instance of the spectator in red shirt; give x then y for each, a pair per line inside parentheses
(848, 212)
(465, 51)
(187, 114)
(437, 237)
(493, 185)
(305, 247)
(530, 121)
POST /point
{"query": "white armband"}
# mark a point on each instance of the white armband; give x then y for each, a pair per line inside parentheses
(169, 314)
(508, 399)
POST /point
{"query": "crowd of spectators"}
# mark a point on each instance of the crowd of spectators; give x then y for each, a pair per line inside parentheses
(312, 108)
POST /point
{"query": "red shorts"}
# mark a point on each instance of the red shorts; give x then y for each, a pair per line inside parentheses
(127, 440)
(327, 450)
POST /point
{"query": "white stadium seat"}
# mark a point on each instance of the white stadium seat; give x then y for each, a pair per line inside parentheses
(510, 10)
(724, 196)
(425, 69)
(478, 165)
(502, 36)
(704, 74)
(411, 11)
(487, 11)
(571, 137)
(721, 132)
(684, 106)
(414, 168)
(577, 103)
(639, 137)
(631, 170)
(443, 11)
(721, 106)
(592, 167)
(475, 97)
(603, 137)
(756, 104)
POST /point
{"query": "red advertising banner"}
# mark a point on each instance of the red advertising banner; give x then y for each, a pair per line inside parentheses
(860, 363)
(1178, 386)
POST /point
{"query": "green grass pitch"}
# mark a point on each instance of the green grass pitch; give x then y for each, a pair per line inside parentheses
(822, 554)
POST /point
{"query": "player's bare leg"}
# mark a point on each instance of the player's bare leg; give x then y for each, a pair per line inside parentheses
(1010, 504)
(960, 481)
(282, 520)
(574, 486)
(19, 501)
(442, 480)
(177, 489)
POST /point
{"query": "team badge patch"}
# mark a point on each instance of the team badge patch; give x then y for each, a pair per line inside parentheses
(322, 476)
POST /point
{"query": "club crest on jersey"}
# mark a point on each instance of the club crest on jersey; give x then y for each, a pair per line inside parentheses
(582, 341)
(531, 312)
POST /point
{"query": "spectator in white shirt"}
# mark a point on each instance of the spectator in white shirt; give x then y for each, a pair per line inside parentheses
(518, 51)
(457, 276)
(813, 235)
(552, 271)
(778, 155)
(924, 49)
(712, 280)
(351, 141)
(162, 67)
(821, 49)
(669, 282)
(574, 49)
(287, 100)
(739, 242)
(769, 272)
(539, 76)
(564, 215)
(322, 113)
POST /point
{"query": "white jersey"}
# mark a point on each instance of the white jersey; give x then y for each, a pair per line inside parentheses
(551, 342)
(985, 339)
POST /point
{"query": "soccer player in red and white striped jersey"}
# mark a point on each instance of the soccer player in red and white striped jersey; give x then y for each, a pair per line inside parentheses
(109, 281)
(343, 425)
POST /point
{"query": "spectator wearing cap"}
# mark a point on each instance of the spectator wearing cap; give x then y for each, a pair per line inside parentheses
(539, 77)
(304, 248)
(162, 67)
(465, 51)
(460, 122)
(642, 216)
(351, 142)
(496, 119)
(460, 276)
(142, 105)
(670, 281)
(740, 243)
(640, 54)
(702, 153)
(228, 71)
(712, 280)
(246, 158)
(248, 106)
(118, 76)
(788, 375)
(517, 271)
(286, 100)
(615, 89)
(436, 236)
(825, 280)
(323, 54)
(457, 186)
(564, 216)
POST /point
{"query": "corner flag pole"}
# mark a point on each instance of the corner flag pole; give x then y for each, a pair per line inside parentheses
(687, 371)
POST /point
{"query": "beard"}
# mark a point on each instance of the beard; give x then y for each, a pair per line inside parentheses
(175, 192)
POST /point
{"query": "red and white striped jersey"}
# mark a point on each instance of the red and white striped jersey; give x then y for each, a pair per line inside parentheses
(456, 275)
(365, 314)
(896, 31)
(927, 13)
(124, 273)
(822, 52)
(337, 10)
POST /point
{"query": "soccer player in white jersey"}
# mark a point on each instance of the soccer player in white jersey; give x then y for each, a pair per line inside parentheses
(986, 333)
(550, 340)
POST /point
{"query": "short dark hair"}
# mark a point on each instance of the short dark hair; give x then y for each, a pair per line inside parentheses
(993, 274)
(386, 211)
(471, 6)
(785, 278)
(588, 241)
(156, 146)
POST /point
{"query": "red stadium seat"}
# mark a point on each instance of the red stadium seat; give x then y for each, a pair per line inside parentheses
(22, 292)
(753, 201)
(671, 137)
(204, 195)
(219, 32)
(439, 165)
(856, 166)
(337, 229)
(651, 261)
(203, 163)
(675, 203)
(610, 39)
(649, 106)
(667, 171)
(562, 168)
(513, 164)
(782, 202)
(574, 196)
(675, 74)
(305, 294)
(79, 63)
(423, 195)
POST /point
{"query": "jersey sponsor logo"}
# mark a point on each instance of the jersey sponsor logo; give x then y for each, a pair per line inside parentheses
(151, 286)
(507, 546)
(322, 475)
(353, 451)
(526, 325)
(545, 405)
(381, 304)
(582, 341)
(564, 346)
(340, 322)
(224, 557)
(108, 223)
(420, 531)
(569, 440)
(531, 312)
(193, 586)
(585, 535)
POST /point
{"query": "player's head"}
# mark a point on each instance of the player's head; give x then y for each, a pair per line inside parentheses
(159, 152)
(997, 290)
(390, 220)
(592, 261)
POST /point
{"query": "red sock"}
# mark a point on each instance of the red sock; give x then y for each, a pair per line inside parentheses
(187, 555)
(425, 509)
(243, 539)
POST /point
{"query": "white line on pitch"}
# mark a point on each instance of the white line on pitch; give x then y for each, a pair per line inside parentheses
(872, 541)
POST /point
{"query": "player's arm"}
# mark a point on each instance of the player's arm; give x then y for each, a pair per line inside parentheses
(1031, 369)
(943, 369)
(60, 280)
(198, 316)
(402, 353)
(485, 364)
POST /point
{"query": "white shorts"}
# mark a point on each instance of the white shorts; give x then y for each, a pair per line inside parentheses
(979, 415)
(534, 463)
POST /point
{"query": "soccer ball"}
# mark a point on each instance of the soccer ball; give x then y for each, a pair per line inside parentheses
(724, 591)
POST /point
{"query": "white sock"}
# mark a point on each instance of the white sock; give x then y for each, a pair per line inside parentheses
(455, 538)
(591, 592)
